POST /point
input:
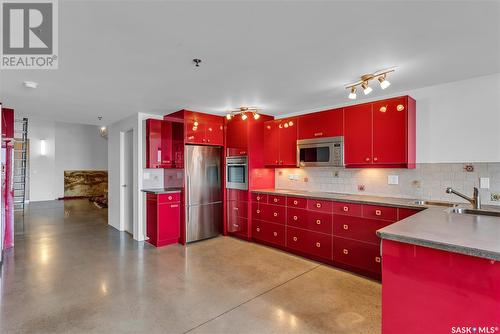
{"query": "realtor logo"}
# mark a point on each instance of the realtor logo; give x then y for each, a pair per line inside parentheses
(29, 34)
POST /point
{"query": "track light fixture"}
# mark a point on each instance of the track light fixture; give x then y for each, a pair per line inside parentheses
(243, 112)
(364, 82)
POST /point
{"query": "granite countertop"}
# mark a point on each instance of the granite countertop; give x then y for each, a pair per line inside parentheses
(434, 226)
(162, 190)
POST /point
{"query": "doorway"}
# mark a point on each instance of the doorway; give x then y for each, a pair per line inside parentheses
(127, 184)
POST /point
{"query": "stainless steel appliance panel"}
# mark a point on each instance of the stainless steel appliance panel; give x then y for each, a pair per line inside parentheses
(203, 221)
(321, 152)
(237, 172)
(203, 192)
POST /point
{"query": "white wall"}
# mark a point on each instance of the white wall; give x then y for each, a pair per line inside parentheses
(457, 121)
(78, 147)
(115, 173)
(68, 147)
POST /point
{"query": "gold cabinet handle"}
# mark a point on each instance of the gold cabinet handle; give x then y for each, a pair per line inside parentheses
(377, 259)
(367, 159)
(258, 211)
(295, 217)
(318, 205)
(318, 222)
(275, 234)
(235, 208)
(174, 205)
(295, 202)
(345, 226)
(169, 198)
(258, 229)
(375, 158)
(258, 198)
(318, 245)
(345, 251)
(345, 208)
(378, 212)
(295, 238)
(275, 214)
(275, 200)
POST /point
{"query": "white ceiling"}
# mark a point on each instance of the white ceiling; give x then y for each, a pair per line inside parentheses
(117, 58)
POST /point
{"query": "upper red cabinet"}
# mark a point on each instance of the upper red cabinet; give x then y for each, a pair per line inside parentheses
(381, 134)
(7, 123)
(153, 143)
(328, 123)
(280, 142)
(204, 128)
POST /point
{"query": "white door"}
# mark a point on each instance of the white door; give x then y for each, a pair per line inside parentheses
(127, 185)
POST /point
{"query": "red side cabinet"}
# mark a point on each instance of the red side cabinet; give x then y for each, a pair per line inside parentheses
(154, 143)
(280, 142)
(358, 134)
(163, 215)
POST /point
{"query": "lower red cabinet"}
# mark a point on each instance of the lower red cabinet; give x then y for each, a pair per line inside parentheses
(163, 218)
(268, 232)
(405, 213)
(358, 228)
(308, 242)
(357, 254)
(237, 212)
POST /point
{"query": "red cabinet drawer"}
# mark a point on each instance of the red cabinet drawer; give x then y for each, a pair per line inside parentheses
(348, 209)
(358, 228)
(262, 198)
(237, 195)
(268, 232)
(319, 221)
(405, 213)
(277, 200)
(169, 198)
(238, 225)
(296, 202)
(357, 254)
(380, 212)
(273, 213)
(319, 205)
(237, 208)
(257, 213)
(296, 217)
(316, 244)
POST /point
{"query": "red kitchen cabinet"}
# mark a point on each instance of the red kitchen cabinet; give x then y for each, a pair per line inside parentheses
(328, 123)
(237, 212)
(312, 243)
(357, 228)
(200, 128)
(154, 143)
(7, 123)
(280, 143)
(358, 134)
(163, 215)
(237, 136)
(405, 213)
(357, 254)
(380, 134)
(268, 232)
(380, 212)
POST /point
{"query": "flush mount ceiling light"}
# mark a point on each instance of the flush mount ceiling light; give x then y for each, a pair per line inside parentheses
(364, 82)
(243, 111)
(30, 84)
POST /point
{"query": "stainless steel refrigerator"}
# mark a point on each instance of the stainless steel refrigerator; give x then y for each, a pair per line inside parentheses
(203, 192)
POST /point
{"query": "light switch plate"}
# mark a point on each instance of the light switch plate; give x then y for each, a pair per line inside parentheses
(484, 182)
(392, 179)
(291, 177)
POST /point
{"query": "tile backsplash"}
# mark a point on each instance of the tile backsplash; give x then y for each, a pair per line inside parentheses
(427, 181)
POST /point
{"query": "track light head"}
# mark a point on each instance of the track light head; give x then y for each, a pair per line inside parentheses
(384, 83)
(229, 116)
(256, 116)
(366, 89)
(352, 94)
(244, 116)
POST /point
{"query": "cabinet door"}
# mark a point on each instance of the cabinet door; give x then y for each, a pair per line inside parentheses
(168, 222)
(214, 130)
(390, 131)
(236, 136)
(153, 143)
(166, 145)
(271, 143)
(357, 254)
(329, 123)
(358, 134)
(151, 218)
(287, 130)
(195, 128)
(178, 144)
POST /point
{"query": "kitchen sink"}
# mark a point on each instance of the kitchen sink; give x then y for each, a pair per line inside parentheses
(435, 203)
(475, 212)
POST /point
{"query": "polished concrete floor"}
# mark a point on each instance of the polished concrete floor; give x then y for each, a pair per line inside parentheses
(71, 273)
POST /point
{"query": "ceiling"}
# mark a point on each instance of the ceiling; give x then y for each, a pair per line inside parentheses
(119, 58)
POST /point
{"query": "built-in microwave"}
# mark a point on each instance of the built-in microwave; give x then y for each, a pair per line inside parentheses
(321, 152)
(237, 172)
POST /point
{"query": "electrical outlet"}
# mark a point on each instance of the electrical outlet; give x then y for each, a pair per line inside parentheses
(495, 197)
(392, 179)
(290, 176)
(361, 187)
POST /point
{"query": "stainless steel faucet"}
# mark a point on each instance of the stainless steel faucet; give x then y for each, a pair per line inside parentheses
(475, 200)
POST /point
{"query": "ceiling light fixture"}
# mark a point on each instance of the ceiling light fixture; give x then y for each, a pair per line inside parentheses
(30, 84)
(352, 94)
(364, 82)
(243, 112)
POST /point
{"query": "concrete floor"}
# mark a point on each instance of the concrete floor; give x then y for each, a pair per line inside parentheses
(71, 273)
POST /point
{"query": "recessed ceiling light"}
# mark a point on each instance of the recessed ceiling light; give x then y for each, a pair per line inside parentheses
(30, 84)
